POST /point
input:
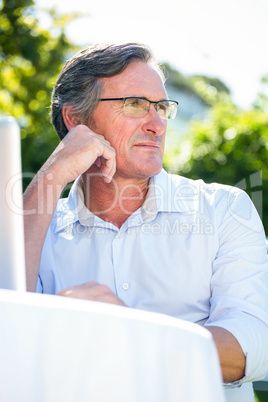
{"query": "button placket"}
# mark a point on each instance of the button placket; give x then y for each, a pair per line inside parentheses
(125, 286)
(120, 271)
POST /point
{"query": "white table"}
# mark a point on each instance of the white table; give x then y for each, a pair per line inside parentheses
(55, 349)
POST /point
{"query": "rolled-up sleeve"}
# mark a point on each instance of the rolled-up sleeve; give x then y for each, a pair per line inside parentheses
(239, 285)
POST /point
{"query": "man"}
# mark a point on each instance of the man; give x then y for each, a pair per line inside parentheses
(129, 234)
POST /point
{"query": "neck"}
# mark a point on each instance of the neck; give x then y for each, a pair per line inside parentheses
(113, 202)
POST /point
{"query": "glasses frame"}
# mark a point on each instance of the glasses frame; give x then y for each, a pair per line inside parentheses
(140, 97)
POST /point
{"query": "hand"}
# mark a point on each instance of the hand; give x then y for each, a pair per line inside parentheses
(92, 291)
(79, 150)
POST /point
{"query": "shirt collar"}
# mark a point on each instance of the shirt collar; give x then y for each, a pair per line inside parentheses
(68, 209)
(172, 193)
(166, 193)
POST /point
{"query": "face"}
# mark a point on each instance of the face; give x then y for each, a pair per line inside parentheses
(138, 141)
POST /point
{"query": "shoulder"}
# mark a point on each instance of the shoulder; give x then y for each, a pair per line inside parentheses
(185, 186)
(216, 199)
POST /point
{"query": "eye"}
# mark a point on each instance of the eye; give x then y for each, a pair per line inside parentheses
(137, 102)
(163, 106)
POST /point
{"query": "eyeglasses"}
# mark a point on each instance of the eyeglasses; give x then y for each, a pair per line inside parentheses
(139, 107)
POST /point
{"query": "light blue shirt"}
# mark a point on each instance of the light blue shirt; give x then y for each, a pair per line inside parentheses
(194, 251)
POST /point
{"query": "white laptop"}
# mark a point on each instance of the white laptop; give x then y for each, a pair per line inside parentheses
(12, 260)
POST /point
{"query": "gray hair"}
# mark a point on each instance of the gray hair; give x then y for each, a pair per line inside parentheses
(79, 85)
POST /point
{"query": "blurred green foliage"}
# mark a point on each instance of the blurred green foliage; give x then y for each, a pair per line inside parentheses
(230, 146)
(30, 60)
(207, 89)
(178, 80)
(261, 396)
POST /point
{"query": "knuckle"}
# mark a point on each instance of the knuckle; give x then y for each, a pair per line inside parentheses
(93, 140)
(104, 289)
(81, 128)
(92, 283)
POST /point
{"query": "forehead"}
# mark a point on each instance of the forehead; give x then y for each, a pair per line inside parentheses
(138, 79)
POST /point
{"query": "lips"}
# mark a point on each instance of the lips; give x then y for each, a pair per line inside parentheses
(148, 144)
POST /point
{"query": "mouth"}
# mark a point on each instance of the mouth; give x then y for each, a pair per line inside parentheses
(148, 145)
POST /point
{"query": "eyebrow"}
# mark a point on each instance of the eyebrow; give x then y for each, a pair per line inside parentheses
(138, 97)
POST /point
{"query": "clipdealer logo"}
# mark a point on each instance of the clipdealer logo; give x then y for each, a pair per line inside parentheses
(166, 227)
(253, 186)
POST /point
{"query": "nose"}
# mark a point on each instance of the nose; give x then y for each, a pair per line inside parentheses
(153, 122)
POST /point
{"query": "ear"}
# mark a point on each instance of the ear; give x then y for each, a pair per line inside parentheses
(69, 116)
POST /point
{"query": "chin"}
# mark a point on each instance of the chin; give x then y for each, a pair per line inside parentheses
(140, 168)
(149, 171)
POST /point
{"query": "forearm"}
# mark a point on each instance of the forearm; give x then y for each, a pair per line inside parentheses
(39, 202)
(232, 358)
(75, 154)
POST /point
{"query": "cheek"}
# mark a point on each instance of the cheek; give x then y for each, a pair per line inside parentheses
(121, 135)
(163, 139)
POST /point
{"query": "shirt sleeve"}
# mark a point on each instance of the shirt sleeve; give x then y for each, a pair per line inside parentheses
(239, 285)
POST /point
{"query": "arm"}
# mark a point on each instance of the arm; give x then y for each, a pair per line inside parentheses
(238, 317)
(232, 358)
(79, 150)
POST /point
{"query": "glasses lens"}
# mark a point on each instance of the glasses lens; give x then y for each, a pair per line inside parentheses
(167, 109)
(136, 107)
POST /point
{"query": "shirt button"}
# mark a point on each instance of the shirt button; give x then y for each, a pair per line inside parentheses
(125, 286)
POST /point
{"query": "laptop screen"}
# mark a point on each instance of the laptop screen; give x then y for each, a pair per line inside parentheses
(12, 259)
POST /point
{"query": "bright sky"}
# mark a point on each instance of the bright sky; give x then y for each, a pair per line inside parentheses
(223, 38)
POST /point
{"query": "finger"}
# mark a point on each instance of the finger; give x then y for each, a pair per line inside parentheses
(98, 162)
(108, 167)
(108, 171)
(90, 288)
(73, 289)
